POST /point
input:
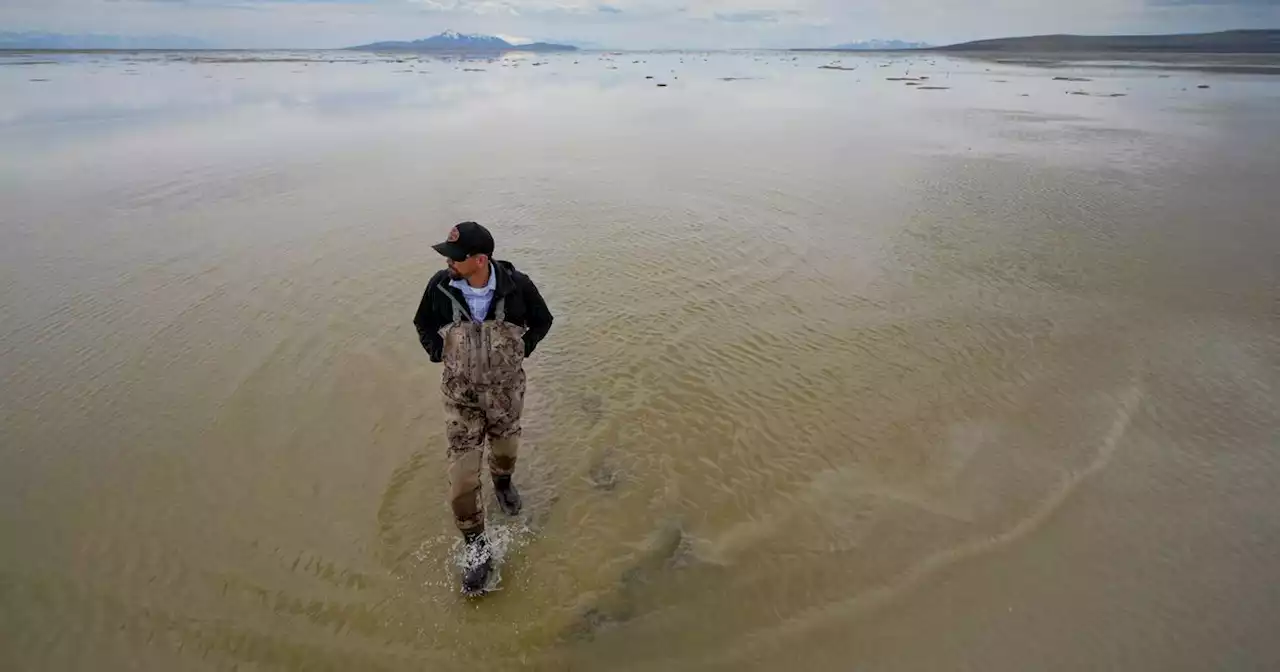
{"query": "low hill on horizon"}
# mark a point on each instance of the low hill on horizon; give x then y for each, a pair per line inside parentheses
(1229, 41)
(56, 41)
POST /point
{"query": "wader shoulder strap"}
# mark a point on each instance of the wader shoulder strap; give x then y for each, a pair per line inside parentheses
(501, 311)
(458, 309)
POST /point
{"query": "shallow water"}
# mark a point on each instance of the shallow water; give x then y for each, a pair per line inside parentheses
(845, 374)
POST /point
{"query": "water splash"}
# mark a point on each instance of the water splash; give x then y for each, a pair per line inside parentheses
(503, 540)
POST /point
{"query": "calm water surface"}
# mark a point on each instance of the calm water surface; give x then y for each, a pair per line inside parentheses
(847, 373)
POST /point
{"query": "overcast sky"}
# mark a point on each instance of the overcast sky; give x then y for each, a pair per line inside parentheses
(628, 23)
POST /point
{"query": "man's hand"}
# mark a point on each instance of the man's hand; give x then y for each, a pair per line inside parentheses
(538, 318)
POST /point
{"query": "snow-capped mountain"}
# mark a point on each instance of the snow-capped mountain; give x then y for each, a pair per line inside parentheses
(453, 41)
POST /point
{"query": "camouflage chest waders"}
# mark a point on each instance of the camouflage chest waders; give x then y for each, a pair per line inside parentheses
(483, 389)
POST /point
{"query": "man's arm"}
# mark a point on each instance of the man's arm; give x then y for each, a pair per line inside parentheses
(428, 326)
(538, 319)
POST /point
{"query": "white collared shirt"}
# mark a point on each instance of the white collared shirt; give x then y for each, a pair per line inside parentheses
(478, 298)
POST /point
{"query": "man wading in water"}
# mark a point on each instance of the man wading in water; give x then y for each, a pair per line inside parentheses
(482, 318)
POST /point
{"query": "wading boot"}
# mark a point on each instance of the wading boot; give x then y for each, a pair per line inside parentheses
(508, 496)
(477, 564)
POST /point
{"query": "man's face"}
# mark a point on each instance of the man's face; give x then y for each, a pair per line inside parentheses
(459, 270)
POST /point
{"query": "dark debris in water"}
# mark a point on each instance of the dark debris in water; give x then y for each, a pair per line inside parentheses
(247, 59)
(932, 88)
(596, 620)
(1072, 79)
(604, 477)
(593, 406)
(834, 67)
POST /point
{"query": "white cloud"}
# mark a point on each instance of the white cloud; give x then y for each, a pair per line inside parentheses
(514, 39)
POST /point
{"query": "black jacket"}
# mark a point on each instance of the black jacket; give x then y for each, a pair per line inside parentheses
(524, 307)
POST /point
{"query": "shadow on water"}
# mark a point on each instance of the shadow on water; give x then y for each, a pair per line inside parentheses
(666, 550)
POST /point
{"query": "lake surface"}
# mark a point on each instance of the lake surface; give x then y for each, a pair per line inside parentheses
(847, 372)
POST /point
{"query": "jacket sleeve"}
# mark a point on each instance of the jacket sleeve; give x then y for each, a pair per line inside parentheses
(428, 326)
(539, 318)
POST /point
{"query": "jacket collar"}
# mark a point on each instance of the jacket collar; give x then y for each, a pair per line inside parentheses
(491, 285)
(505, 282)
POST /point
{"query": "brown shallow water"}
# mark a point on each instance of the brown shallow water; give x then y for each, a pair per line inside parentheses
(845, 375)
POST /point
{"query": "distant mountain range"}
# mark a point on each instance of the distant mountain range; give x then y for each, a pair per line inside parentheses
(879, 45)
(1230, 41)
(37, 40)
(455, 42)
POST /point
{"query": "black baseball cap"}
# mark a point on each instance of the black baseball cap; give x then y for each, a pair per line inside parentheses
(466, 239)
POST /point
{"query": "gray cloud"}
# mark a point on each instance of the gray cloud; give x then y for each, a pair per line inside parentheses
(608, 9)
(1216, 3)
(754, 16)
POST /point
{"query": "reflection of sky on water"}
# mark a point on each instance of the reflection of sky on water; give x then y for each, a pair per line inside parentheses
(162, 105)
(100, 88)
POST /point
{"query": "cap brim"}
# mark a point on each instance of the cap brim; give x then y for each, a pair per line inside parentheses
(450, 250)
